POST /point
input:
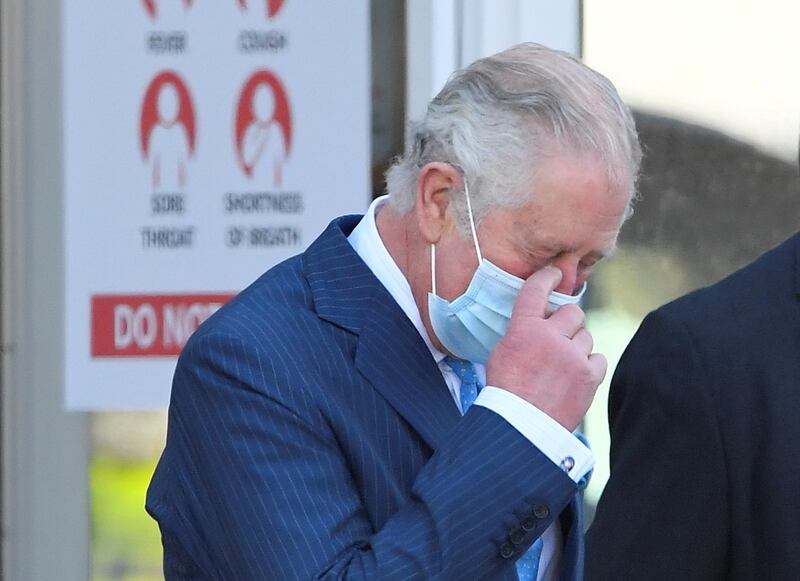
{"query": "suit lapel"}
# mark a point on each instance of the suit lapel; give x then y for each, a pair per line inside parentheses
(395, 360)
(390, 353)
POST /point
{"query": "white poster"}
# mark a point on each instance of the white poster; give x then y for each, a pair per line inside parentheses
(205, 141)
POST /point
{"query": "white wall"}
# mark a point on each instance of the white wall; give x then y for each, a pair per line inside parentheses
(45, 512)
(443, 35)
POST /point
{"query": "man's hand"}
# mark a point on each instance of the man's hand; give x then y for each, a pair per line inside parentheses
(547, 361)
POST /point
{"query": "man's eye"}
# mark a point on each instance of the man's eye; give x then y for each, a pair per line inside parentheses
(544, 257)
(587, 264)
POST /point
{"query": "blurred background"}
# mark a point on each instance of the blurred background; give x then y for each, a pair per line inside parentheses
(717, 106)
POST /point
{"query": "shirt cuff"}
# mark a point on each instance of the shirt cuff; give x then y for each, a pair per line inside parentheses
(553, 440)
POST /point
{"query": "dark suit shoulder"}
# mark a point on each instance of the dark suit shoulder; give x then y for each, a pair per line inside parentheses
(272, 326)
(739, 331)
(275, 303)
(757, 296)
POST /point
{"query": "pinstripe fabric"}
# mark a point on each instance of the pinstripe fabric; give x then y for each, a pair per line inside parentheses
(311, 436)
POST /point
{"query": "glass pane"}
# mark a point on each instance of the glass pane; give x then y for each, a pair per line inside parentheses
(717, 111)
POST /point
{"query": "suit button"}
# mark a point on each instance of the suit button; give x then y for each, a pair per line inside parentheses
(528, 523)
(541, 511)
(507, 550)
(516, 535)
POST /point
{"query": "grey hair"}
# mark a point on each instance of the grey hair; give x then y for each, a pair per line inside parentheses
(495, 119)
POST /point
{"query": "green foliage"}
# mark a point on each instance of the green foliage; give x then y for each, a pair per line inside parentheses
(126, 544)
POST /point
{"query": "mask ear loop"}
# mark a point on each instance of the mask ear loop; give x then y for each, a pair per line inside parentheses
(472, 224)
(474, 239)
(433, 269)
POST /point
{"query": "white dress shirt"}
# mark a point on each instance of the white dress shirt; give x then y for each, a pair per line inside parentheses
(550, 437)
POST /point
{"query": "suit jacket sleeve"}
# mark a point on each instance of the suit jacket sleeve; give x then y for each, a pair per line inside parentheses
(663, 513)
(259, 489)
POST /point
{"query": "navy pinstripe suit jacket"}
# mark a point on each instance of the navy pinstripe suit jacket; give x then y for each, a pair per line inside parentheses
(312, 436)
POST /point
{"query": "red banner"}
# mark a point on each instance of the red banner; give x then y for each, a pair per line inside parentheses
(148, 325)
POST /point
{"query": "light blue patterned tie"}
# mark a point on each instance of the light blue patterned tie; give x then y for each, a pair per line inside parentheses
(470, 386)
(527, 564)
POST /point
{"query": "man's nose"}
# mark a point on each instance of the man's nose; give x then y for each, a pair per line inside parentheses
(569, 277)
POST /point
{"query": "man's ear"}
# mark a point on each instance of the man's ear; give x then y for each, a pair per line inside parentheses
(435, 181)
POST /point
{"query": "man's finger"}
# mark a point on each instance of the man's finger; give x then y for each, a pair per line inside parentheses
(532, 298)
(569, 319)
(599, 366)
(583, 340)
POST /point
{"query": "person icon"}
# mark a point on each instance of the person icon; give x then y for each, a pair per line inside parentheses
(263, 147)
(167, 132)
(170, 143)
(263, 129)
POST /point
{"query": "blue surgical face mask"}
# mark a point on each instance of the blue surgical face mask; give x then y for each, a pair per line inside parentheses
(470, 326)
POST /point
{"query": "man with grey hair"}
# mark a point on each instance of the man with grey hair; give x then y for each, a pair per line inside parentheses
(398, 402)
